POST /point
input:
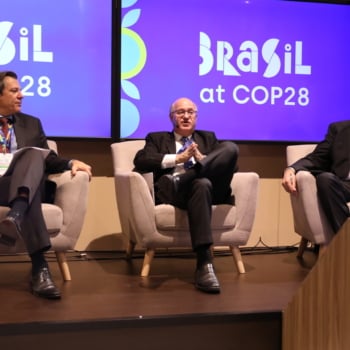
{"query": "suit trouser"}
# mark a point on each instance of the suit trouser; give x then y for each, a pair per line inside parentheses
(210, 184)
(28, 172)
(333, 194)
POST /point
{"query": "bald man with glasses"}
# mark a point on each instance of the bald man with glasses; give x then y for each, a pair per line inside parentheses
(192, 171)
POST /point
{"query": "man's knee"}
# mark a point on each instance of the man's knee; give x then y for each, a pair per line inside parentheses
(229, 154)
(230, 147)
(324, 180)
(30, 155)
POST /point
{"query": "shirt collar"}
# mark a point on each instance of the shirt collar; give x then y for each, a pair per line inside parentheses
(10, 118)
(179, 137)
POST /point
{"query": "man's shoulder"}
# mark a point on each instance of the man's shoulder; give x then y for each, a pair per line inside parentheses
(159, 134)
(205, 133)
(24, 116)
(339, 125)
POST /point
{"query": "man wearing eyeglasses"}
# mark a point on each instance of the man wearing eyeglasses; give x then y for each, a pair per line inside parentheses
(192, 170)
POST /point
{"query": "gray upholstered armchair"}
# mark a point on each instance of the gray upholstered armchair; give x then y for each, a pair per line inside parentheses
(309, 219)
(64, 219)
(164, 226)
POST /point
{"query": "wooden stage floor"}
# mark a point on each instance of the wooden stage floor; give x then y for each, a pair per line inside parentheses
(107, 302)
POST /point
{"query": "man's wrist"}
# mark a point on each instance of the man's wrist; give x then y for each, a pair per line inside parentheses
(291, 168)
(70, 164)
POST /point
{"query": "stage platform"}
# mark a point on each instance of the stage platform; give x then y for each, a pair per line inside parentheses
(108, 305)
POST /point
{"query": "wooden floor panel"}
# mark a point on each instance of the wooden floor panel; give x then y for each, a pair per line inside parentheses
(107, 291)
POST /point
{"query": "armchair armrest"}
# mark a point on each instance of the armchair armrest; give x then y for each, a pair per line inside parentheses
(245, 190)
(135, 204)
(150, 183)
(309, 219)
(71, 197)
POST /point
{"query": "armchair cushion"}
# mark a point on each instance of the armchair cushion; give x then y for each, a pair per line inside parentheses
(170, 218)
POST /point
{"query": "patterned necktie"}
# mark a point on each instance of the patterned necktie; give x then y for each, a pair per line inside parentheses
(4, 134)
(186, 142)
(4, 126)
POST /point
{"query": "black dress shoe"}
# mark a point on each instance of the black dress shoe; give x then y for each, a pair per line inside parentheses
(43, 286)
(9, 230)
(166, 187)
(205, 279)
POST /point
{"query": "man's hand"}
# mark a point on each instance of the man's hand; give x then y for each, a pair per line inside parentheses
(77, 165)
(187, 154)
(197, 154)
(289, 181)
(191, 151)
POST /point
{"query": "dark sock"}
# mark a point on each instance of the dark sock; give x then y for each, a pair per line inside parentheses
(23, 192)
(204, 255)
(20, 205)
(18, 208)
(38, 261)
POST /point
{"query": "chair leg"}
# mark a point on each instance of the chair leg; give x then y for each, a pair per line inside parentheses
(63, 265)
(149, 254)
(236, 253)
(130, 250)
(302, 246)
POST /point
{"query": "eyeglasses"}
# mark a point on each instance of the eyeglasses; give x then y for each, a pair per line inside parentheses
(182, 112)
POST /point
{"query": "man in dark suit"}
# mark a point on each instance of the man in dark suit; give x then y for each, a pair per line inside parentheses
(330, 164)
(192, 170)
(22, 185)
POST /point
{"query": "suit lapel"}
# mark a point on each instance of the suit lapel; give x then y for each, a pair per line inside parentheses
(169, 143)
(199, 141)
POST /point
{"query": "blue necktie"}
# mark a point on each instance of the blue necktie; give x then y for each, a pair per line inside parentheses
(186, 142)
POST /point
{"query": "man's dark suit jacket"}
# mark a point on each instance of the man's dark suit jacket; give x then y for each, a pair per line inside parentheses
(29, 133)
(330, 155)
(158, 144)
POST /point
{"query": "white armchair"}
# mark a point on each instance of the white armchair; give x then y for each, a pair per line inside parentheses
(164, 226)
(64, 219)
(309, 219)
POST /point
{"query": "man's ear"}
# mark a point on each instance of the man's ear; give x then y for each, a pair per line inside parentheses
(173, 121)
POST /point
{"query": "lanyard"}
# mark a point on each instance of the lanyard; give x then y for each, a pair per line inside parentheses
(6, 141)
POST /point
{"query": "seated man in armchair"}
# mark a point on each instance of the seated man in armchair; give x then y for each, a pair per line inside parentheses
(330, 164)
(22, 184)
(192, 170)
